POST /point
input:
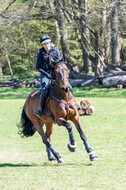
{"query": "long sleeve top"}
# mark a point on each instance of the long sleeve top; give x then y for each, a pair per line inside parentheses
(44, 63)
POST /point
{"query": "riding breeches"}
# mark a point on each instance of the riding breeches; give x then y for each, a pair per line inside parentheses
(44, 85)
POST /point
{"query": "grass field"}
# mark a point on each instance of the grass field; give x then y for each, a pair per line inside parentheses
(23, 161)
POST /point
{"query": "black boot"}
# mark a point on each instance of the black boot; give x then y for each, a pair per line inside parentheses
(39, 110)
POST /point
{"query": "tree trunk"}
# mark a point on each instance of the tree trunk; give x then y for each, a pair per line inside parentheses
(114, 81)
(64, 41)
(107, 44)
(56, 23)
(1, 72)
(103, 32)
(115, 33)
(97, 61)
(63, 31)
(8, 61)
(9, 64)
(84, 30)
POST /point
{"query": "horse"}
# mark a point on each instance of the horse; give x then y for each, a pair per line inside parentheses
(60, 98)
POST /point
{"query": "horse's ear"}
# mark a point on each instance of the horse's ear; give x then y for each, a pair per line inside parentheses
(63, 57)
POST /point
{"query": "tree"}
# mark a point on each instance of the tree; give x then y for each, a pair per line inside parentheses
(115, 44)
(62, 28)
(82, 4)
(82, 27)
(1, 71)
(103, 30)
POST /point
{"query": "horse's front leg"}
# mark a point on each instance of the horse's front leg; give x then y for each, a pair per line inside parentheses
(72, 145)
(76, 121)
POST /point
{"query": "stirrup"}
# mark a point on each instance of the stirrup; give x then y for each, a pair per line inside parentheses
(38, 112)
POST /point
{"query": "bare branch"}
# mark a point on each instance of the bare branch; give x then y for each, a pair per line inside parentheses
(76, 17)
(8, 7)
(93, 50)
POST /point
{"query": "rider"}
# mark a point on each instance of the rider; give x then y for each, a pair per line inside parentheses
(47, 57)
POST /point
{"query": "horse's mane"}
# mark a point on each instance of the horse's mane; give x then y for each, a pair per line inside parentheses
(60, 63)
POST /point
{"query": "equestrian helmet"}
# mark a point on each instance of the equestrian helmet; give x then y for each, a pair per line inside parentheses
(45, 39)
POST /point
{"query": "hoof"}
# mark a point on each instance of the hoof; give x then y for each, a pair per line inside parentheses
(71, 147)
(53, 160)
(60, 160)
(92, 156)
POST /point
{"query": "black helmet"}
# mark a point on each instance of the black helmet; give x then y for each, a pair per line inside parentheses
(45, 39)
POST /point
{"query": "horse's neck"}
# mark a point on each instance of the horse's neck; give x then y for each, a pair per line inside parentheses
(60, 94)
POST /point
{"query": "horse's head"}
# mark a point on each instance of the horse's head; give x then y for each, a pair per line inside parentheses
(61, 75)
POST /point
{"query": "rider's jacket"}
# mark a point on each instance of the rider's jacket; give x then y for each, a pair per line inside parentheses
(44, 60)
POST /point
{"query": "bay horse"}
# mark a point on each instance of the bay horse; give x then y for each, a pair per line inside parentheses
(60, 108)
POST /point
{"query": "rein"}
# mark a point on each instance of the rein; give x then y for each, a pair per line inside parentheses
(57, 83)
(61, 101)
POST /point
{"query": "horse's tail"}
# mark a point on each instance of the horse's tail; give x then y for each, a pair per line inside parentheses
(26, 127)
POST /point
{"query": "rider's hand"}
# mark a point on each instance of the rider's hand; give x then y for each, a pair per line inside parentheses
(52, 59)
(49, 76)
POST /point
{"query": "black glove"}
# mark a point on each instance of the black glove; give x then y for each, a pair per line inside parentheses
(49, 76)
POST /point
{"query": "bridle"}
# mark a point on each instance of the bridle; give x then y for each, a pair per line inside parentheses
(62, 78)
(64, 89)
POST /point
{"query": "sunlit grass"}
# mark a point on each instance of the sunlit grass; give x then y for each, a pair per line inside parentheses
(15, 93)
(23, 161)
(99, 92)
(78, 92)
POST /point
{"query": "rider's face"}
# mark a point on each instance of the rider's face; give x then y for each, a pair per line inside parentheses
(47, 46)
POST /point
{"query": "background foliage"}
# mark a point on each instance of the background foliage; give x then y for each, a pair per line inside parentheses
(72, 26)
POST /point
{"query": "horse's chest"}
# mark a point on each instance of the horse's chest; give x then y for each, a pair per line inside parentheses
(62, 109)
(67, 110)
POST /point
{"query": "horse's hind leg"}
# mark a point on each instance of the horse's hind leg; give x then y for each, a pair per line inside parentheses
(48, 134)
(92, 155)
(39, 127)
(50, 155)
(50, 150)
(72, 144)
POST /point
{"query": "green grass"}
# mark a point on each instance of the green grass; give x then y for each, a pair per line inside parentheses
(19, 93)
(23, 161)
(21, 76)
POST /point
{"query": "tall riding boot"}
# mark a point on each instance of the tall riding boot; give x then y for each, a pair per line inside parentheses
(39, 111)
